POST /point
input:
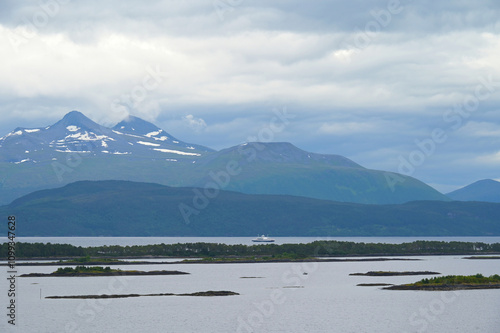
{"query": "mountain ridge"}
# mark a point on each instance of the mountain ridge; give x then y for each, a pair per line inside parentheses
(282, 151)
(76, 148)
(75, 133)
(487, 190)
(137, 126)
(115, 208)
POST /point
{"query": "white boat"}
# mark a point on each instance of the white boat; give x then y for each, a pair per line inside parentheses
(263, 239)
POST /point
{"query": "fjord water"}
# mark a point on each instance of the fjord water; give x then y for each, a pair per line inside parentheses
(274, 297)
(129, 241)
(327, 300)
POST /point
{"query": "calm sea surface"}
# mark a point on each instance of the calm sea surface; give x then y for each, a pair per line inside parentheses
(124, 241)
(280, 297)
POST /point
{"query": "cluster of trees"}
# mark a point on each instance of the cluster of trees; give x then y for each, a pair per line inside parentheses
(83, 269)
(42, 250)
(317, 248)
(459, 279)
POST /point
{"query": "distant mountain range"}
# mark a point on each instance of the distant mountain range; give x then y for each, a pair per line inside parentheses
(122, 208)
(76, 148)
(487, 190)
(76, 133)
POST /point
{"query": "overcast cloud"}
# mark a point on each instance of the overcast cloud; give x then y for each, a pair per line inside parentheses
(370, 80)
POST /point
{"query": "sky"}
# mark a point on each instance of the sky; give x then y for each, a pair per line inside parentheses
(397, 85)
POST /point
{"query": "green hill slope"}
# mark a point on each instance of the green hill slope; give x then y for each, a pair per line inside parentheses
(260, 168)
(122, 208)
(281, 168)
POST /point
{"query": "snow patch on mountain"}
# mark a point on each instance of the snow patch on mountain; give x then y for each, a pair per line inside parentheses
(116, 152)
(135, 136)
(162, 138)
(73, 151)
(87, 136)
(175, 152)
(72, 128)
(75, 133)
(153, 133)
(148, 143)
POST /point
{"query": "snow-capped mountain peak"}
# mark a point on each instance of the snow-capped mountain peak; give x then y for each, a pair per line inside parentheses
(135, 126)
(75, 133)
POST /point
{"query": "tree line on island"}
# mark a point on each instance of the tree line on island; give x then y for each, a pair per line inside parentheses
(458, 279)
(85, 269)
(452, 282)
(291, 251)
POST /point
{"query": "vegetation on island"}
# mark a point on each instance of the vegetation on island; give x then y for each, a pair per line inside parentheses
(286, 251)
(85, 269)
(453, 282)
(98, 271)
(459, 279)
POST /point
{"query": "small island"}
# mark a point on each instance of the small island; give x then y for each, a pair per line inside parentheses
(389, 273)
(278, 259)
(209, 293)
(97, 271)
(374, 284)
(483, 258)
(452, 282)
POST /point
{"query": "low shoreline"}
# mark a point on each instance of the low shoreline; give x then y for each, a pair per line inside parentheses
(483, 258)
(206, 261)
(374, 284)
(467, 255)
(209, 293)
(114, 273)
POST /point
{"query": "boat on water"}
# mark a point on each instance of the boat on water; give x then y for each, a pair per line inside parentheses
(263, 239)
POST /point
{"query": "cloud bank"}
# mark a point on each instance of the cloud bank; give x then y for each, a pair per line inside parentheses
(365, 79)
